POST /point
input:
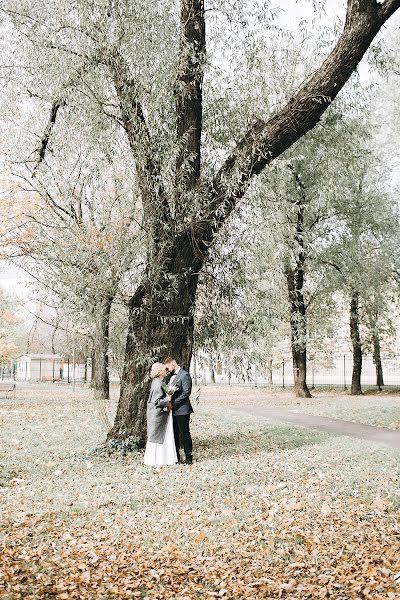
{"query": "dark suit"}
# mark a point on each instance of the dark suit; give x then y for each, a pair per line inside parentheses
(181, 411)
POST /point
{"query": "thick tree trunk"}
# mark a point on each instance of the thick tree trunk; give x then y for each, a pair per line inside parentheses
(377, 359)
(356, 343)
(101, 381)
(160, 324)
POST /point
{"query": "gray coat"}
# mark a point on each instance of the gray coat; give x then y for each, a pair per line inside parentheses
(156, 417)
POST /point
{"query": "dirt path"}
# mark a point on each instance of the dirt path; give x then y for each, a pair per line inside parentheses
(381, 435)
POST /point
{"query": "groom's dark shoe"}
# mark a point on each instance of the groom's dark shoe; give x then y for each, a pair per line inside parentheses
(189, 460)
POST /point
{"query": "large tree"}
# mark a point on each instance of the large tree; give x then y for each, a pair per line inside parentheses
(184, 203)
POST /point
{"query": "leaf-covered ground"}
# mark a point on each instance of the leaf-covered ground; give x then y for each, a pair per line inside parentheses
(266, 511)
(381, 410)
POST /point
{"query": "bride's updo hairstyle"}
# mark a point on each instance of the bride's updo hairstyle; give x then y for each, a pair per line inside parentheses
(156, 369)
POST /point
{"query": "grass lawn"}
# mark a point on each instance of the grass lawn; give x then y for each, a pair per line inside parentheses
(379, 409)
(266, 511)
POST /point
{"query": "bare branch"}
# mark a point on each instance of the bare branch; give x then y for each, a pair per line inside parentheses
(89, 63)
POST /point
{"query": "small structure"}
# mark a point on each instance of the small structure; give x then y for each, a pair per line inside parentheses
(39, 367)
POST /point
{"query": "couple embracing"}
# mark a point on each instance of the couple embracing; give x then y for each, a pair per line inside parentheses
(168, 414)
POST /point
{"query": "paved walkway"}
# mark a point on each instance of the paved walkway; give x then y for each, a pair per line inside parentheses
(381, 435)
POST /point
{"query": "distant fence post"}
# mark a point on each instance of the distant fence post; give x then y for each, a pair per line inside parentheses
(53, 370)
(255, 375)
(40, 369)
(68, 381)
(344, 372)
(313, 376)
(283, 372)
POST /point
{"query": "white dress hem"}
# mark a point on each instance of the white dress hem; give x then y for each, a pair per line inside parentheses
(162, 454)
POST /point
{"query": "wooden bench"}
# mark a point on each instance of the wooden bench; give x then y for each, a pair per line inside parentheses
(7, 386)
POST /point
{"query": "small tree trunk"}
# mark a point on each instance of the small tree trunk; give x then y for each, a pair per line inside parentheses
(299, 348)
(356, 343)
(101, 382)
(377, 359)
(53, 335)
(92, 368)
(268, 372)
(300, 373)
(211, 368)
(298, 309)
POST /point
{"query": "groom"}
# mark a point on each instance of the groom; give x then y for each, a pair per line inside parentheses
(181, 407)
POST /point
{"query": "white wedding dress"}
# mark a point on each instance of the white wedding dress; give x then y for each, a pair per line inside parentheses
(157, 455)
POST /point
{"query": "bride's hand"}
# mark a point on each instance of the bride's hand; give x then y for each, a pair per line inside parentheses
(169, 405)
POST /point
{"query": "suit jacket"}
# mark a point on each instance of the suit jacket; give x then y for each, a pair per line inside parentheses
(181, 398)
(156, 417)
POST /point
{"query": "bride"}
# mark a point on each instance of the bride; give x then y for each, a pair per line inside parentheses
(160, 448)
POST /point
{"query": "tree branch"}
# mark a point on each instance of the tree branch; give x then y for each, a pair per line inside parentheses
(140, 140)
(388, 8)
(265, 141)
(59, 103)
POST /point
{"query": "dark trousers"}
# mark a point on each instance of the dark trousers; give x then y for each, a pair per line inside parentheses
(182, 431)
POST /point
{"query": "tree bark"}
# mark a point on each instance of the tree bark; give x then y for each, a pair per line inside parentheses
(377, 359)
(93, 368)
(101, 381)
(297, 304)
(356, 343)
(159, 325)
(211, 368)
(268, 371)
(298, 326)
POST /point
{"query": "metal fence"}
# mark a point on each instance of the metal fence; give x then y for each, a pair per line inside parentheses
(335, 370)
(323, 370)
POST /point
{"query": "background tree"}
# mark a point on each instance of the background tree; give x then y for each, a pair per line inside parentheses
(238, 312)
(362, 256)
(300, 201)
(84, 245)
